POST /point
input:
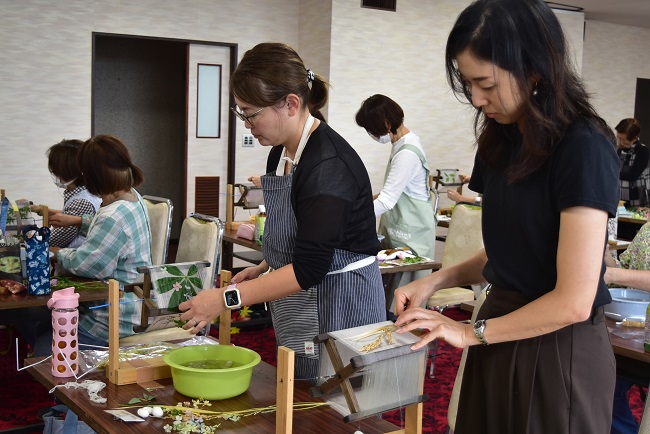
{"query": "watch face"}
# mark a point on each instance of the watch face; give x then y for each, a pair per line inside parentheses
(232, 298)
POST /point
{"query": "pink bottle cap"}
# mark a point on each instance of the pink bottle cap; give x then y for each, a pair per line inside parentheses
(64, 298)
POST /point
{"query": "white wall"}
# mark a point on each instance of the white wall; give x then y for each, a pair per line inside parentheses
(614, 57)
(46, 60)
(45, 70)
(399, 54)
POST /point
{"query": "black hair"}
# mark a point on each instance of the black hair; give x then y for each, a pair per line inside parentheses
(376, 111)
(524, 38)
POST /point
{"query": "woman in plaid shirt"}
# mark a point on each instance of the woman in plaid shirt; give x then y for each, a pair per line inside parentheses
(118, 237)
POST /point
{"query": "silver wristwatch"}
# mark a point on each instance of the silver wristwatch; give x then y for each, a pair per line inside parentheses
(479, 329)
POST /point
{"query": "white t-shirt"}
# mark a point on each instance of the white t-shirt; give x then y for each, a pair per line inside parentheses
(406, 176)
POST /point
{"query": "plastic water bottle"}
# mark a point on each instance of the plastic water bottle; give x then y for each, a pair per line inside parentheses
(65, 320)
(260, 220)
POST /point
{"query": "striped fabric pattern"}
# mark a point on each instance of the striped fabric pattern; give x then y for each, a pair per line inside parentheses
(340, 301)
(76, 202)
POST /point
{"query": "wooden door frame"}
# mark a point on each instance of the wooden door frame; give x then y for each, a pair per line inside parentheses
(233, 48)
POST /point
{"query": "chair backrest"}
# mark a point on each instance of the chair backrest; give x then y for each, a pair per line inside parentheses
(452, 410)
(465, 236)
(160, 217)
(200, 240)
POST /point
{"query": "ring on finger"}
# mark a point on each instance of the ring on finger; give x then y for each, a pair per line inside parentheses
(195, 323)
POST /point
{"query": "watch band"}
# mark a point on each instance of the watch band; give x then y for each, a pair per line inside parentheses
(479, 329)
(230, 289)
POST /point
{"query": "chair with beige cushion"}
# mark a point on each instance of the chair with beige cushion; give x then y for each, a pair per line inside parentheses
(464, 238)
(200, 243)
(160, 218)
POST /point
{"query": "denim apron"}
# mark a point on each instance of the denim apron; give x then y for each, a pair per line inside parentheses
(350, 295)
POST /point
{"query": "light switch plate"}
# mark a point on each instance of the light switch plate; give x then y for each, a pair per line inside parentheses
(247, 141)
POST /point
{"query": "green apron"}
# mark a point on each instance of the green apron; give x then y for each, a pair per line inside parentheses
(410, 223)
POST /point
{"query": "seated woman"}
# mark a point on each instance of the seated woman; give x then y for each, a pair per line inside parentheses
(117, 239)
(64, 167)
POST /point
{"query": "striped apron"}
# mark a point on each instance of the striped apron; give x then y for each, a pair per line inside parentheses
(350, 295)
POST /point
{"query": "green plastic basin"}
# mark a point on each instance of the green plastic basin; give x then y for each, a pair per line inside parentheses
(211, 383)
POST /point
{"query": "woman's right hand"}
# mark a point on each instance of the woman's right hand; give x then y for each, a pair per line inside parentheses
(256, 180)
(249, 273)
(413, 294)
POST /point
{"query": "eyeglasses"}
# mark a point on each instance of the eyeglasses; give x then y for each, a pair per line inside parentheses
(243, 117)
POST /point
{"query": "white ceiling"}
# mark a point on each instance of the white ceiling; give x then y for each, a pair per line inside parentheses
(626, 12)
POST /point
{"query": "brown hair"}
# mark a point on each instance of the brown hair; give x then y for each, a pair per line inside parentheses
(270, 71)
(62, 161)
(630, 127)
(376, 111)
(107, 166)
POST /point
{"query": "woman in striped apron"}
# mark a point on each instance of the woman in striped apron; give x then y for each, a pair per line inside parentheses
(320, 240)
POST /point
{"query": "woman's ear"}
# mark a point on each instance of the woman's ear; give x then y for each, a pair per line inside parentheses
(293, 104)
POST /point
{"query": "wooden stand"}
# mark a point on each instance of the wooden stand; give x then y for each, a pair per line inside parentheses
(225, 318)
(284, 391)
(46, 216)
(128, 372)
(140, 370)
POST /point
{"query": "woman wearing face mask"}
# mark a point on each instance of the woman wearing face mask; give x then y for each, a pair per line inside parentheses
(404, 202)
(77, 201)
(539, 357)
(319, 236)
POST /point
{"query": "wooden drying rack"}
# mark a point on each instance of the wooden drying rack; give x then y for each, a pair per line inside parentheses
(151, 369)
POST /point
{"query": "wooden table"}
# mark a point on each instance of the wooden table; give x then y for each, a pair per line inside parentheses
(231, 237)
(261, 393)
(628, 227)
(23, 299)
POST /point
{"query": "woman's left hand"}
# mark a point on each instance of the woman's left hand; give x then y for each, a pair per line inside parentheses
(440, 327)
(201, 309)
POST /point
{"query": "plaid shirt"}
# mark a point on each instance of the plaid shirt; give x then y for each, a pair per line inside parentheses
(62, 237)
(117, 243)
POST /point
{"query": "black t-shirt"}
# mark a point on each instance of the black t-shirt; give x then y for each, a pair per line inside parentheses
(331, 197)
(521, 221)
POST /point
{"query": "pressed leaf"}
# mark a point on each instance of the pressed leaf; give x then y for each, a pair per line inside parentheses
(167, 284)
(174, 270)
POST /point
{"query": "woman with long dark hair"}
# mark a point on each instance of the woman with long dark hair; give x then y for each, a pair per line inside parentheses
(539, 360)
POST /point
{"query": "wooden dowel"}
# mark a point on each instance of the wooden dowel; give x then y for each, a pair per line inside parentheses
(225, 318)
(46, 216)
(113, 330)
(284, 391)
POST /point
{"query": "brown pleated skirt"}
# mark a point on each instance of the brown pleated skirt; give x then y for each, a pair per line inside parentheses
(561, 382)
